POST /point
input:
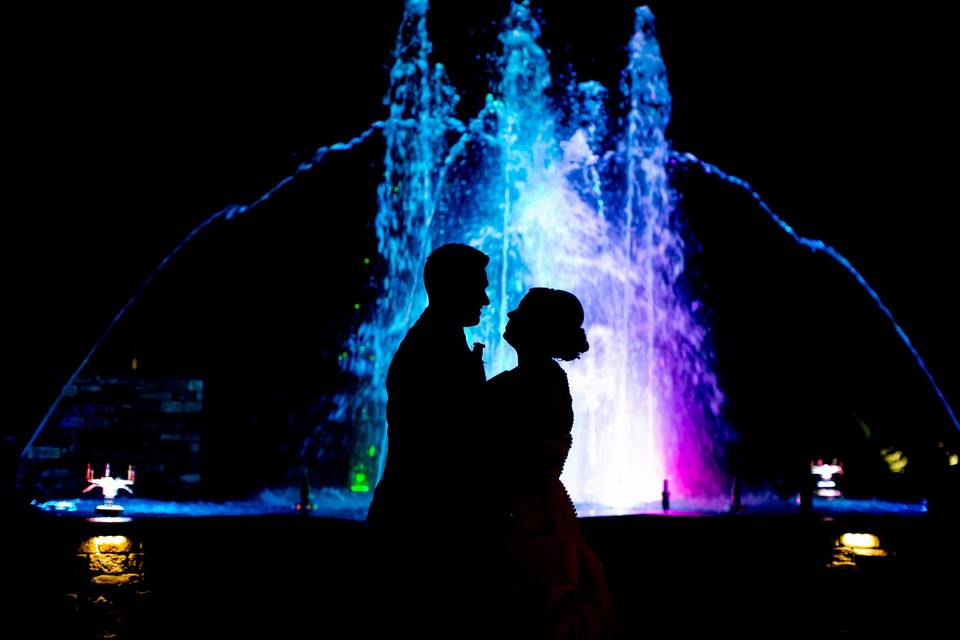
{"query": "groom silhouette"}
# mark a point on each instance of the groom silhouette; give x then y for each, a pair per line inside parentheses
(433, 385)
(427, 509)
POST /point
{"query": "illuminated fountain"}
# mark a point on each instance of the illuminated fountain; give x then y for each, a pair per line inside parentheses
(556, 198)
(554, 201)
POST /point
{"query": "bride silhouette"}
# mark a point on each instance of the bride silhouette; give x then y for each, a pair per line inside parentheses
(557, 583)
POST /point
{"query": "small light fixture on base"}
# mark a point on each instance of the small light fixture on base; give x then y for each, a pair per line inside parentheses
(110, 486)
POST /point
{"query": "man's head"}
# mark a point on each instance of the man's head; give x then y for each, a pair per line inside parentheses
(455, 277)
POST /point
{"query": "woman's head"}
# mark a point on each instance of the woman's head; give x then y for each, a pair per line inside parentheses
(547, 322)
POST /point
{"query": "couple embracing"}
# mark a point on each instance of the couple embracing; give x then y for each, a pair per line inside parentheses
(475, 533)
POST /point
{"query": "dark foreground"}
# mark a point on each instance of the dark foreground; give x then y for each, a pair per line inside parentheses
(284, 576)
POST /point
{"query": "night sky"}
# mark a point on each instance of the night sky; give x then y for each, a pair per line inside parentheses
(127, 131)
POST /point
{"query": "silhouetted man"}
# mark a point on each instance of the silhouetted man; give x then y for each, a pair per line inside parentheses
(424, 513)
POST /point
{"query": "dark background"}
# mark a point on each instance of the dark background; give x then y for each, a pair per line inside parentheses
(127, 129)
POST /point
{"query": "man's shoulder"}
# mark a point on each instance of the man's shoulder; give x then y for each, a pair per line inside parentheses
(423, 351)
(430, 335)
(420, 340)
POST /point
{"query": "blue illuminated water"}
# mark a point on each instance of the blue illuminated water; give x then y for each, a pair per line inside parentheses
(556, 205)
(326, 503)
(342, 504)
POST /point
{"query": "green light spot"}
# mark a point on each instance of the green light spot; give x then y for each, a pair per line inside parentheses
(396, 189)
(359, 488)
(361, 478)
(356, 305)
(344, 355)
(366, 261)
(372, 451)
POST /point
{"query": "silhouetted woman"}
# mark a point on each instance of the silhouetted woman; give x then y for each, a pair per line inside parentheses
(558, 589)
